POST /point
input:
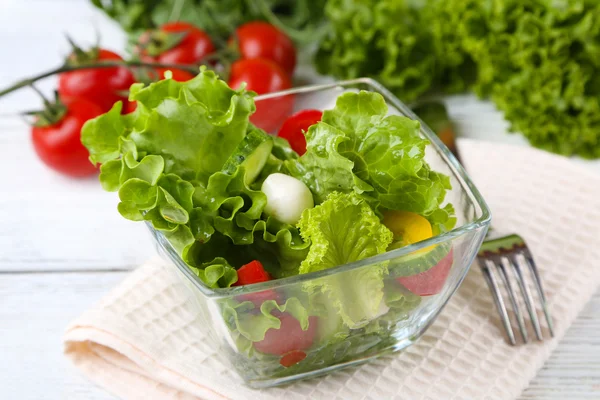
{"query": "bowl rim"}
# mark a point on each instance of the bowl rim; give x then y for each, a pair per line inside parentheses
(449, 159)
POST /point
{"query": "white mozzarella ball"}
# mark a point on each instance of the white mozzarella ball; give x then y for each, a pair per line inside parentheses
(287, 197)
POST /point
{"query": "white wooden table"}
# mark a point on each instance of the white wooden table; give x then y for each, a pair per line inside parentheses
(63, 244)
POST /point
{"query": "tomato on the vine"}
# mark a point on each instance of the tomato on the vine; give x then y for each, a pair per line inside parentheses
(175, 43)
(260, 39)
(178, 75)
(58, 142)
(295, 127)
(264, 76)
(103, 86)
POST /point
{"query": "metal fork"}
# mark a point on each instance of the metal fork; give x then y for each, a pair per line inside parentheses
(506, 256)
(497, 256)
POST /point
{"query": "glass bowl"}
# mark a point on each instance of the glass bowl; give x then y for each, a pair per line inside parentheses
(309, 338)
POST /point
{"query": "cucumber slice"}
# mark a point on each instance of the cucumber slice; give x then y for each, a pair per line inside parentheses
(252, 153)
(417, 262)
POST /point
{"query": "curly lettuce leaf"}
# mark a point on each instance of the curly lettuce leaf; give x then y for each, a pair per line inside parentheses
(344, 229)
(237, 214)
(243, 318)
(165, 161)
(401, 43)
(358, 148)
(539, 64)
(195, 127)
(537, 60)
(216, 273)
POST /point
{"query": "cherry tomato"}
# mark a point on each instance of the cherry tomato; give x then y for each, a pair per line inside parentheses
(192, 48)
(260, 39)
(289, 337)
(294, 128)
(291, 358)
(264, 76)
(178, 74)
(431, 281)
(129, 107)
(59, 145)
(103, 86)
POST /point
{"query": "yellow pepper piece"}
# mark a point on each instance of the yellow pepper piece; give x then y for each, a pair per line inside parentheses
(407, 228)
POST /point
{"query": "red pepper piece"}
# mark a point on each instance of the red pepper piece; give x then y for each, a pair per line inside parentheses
(254, 272)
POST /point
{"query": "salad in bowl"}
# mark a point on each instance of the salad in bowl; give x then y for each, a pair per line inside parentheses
(338, 240)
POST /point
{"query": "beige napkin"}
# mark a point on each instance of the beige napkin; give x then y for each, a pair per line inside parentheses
(142, 341)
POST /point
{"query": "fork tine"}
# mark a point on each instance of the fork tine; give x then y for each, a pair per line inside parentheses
(497, 296)
(511, 294)
(540, 289)
(526, 296)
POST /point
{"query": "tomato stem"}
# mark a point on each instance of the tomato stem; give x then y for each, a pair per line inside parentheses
(106, 64)
(52, 112)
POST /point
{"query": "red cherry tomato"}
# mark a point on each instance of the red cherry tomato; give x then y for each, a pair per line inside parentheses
(294, 127)
(289, 337)
(431, 281)
(191, 49)
(264, 76)
(59, 145)
(291, 358)
(129, 107)
(260, 39)
(103, 86)
(178, 74)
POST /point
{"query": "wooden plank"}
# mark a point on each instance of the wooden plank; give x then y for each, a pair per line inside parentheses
(35, 310)
(39, 26)
(37, 307)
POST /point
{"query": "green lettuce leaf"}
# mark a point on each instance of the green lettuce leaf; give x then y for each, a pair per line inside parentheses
(237, 214)
(358, 148)
(243, 318)
(216, 273)
(194, 126)
(537, 60)
(401, 43)
(165, 161)
(344, 229)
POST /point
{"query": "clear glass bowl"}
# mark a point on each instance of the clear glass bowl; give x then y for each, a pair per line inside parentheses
(410, 302)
